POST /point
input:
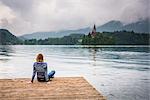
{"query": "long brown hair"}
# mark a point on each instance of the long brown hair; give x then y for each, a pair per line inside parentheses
(39, 58)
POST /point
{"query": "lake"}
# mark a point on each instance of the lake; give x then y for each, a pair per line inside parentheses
(118, 72)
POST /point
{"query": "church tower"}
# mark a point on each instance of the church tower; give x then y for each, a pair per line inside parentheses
(93, 34)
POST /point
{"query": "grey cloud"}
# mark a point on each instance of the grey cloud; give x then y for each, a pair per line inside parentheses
(50, 15)
(4, 22)
(18, 5)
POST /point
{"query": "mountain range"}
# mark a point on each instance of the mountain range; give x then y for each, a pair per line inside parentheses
(117, 37)
(141, 26)
(138, 27)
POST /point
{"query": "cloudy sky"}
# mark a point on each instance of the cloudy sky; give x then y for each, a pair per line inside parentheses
(27, 16)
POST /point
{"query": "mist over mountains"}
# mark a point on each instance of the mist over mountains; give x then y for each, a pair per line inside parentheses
(53, 34)
(141, 26)
(138, 27)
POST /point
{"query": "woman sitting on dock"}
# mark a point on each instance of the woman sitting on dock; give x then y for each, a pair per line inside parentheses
(40, 67)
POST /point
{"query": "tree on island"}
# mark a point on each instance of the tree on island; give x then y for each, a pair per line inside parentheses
(96, 38)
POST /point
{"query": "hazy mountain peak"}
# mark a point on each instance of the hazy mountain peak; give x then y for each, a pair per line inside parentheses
(110, 26)
(113, 22)
(141, 26)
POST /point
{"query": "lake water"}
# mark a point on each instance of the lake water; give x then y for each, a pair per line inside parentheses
(118, 72)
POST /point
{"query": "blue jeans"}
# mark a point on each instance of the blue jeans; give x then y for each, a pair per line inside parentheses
(51, 74)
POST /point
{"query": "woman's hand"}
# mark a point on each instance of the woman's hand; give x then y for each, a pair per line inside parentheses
(30, 82)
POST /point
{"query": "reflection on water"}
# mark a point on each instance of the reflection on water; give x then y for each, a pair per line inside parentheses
(6, 50)
(5, 53)
(132, 49)
(119, 72)
(93, 51)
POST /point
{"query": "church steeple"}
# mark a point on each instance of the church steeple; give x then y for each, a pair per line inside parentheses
(94, 28)
(93, 34)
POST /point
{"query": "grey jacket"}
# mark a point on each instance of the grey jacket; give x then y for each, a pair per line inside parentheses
(40, 68)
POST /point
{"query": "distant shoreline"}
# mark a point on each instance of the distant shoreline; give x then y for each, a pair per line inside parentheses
(98, 38)
(75, 45)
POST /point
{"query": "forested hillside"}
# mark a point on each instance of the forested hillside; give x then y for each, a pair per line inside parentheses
(7, 38)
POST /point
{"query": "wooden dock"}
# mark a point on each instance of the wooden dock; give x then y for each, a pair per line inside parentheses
(60, 88)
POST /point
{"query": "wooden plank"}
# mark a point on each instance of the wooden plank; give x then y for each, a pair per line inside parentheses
(60, 88)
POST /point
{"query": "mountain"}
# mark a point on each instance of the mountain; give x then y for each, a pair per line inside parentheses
(59, 34)
(7, 38)
(138, 27)
(141, 26)
(110, 26)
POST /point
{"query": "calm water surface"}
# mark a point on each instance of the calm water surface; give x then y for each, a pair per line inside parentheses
(118, 72)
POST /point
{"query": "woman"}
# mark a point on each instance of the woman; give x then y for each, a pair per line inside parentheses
(40, 67)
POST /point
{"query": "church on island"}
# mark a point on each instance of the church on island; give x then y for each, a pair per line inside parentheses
(93, 33)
